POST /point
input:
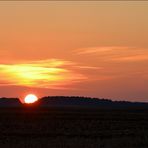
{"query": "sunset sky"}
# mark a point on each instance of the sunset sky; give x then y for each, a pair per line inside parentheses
(96, 49)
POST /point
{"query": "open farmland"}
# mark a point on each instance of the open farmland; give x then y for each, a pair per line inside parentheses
(73, 127)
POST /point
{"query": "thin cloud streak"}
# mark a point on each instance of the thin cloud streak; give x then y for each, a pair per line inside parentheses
(93, 50)
(115, 53)
(133, 58)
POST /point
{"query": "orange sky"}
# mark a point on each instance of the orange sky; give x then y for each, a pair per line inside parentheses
(96, 49)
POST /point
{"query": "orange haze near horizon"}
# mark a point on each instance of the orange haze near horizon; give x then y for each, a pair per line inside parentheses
(96, 49)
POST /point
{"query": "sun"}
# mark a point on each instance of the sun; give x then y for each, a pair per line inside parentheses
(30, 98)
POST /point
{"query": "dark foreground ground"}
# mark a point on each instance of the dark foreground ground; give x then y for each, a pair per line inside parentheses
(73, 128)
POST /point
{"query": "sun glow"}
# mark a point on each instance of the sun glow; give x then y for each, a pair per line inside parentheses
(42, 74)
(31, 98)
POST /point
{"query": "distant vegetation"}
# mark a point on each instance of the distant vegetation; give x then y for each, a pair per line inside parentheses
(10, 102)
(73, 101)
(87, 102)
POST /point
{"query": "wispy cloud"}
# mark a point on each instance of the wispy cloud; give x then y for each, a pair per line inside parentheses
(115, 53)
(89, 67)
(132, 58)
(60, 73)
(44, 73)
(101, 49)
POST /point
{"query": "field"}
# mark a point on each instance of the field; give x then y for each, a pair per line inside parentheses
(73, 128)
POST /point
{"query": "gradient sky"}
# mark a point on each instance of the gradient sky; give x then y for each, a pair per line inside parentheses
(97, 49)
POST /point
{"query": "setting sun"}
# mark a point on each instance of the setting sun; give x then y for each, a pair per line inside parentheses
(31, 98)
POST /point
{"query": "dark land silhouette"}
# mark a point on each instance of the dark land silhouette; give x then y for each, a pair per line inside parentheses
(74, 101)
(70, 122)
(10, 102)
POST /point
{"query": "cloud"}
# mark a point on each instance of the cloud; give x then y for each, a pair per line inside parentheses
(132, 58)
(101, 49)
(52, 73)
(89, 67)
(115, 53)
